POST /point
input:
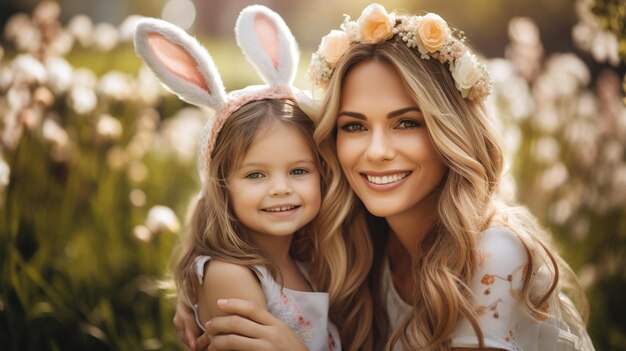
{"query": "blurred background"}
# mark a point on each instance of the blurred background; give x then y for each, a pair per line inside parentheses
(97, 161)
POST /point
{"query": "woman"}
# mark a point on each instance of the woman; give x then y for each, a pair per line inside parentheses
(405, 136)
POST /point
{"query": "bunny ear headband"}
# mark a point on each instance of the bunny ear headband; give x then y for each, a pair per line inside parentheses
(187, 69)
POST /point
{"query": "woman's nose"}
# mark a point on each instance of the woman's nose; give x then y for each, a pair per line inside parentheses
(380, 147)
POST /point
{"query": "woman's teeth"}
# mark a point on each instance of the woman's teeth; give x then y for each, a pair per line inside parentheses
(387, 179)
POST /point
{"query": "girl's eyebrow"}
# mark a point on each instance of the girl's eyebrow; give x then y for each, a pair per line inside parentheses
(260, 164)
(391, 114)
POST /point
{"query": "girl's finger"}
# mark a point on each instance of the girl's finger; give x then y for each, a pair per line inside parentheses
(237, 343)
(234, 325)
(247, 309)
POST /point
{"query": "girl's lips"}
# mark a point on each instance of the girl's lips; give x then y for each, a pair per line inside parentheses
(385, 181)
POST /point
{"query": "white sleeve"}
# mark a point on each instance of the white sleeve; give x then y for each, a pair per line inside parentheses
(501, 266)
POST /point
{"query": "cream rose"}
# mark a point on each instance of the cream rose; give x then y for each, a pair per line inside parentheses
(466, 72)
(375, 24)
(433, 32)
(333, 45)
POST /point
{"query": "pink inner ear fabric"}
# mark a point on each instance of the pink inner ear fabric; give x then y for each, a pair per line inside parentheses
(176, 60)
(267, 34)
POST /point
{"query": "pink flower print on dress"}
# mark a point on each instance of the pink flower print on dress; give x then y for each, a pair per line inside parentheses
(283, 298)
(303, 322)
(331, 341)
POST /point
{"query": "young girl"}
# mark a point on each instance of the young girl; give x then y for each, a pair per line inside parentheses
(261, 179)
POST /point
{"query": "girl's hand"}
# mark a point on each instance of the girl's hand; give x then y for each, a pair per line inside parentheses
(187, 329)
(248, 327)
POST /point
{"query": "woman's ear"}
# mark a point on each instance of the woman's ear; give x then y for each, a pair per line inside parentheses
(268, 44)
(180, 62)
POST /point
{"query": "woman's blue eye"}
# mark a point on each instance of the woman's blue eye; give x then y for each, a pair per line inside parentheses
(409, 123)
(299, 171)
(353, 127)
(254, 175)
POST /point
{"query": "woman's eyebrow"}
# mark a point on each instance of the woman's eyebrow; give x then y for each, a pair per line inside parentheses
(391, 114)
(352, 114)
(402, 111)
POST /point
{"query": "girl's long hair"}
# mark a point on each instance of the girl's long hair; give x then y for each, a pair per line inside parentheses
(212, 227)
(467, 143)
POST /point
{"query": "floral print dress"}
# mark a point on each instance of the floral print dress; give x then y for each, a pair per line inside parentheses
(304, 312)
(501, 268)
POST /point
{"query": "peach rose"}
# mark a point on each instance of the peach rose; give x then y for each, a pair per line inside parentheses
(433, 32)
(375, 24)
(333, 45)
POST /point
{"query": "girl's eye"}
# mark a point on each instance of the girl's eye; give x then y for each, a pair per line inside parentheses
(409, 123)
(353, 127)
(254, 175)
(299, 171)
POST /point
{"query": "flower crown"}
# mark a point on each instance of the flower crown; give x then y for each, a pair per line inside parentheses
(429, 34)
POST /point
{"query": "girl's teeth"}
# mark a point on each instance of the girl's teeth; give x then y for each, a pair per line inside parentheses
(387, 179)
(280, 209)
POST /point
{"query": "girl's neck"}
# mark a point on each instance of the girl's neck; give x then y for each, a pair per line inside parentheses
(411, 226)
(278, 248)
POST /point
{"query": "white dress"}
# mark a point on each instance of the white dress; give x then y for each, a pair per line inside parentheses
(504, 322)
(304, 312)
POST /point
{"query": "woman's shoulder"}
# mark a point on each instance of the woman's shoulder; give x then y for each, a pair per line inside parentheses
(500, 247)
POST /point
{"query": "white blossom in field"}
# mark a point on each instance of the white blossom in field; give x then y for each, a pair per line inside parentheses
(546, 150)
(137, 197)
(553, 177)
(162, 218)
(108, 128)
(5, 178)
(21, 31)
(180, 133)
(137, 172)
(142, 233)
(83, 100)
(81, 27)
(589, 35)
(62, 44)
(46, 12)
(104, 36)
(116, 85)
(53, 133)
(128, 27)
(512, 88)
(27, 69)
(6, 78)
(116, 158)
(84, 77)
(149, 88)
(18, 98)
(59, 74)
(5, 173)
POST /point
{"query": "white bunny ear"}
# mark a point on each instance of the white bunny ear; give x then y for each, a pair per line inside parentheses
(268, 44)
(180, 62)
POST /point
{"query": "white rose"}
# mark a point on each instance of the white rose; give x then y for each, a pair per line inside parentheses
(333, 45)
(466, 72)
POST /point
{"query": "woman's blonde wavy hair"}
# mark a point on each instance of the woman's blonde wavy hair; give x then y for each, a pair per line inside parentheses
(467, 143)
